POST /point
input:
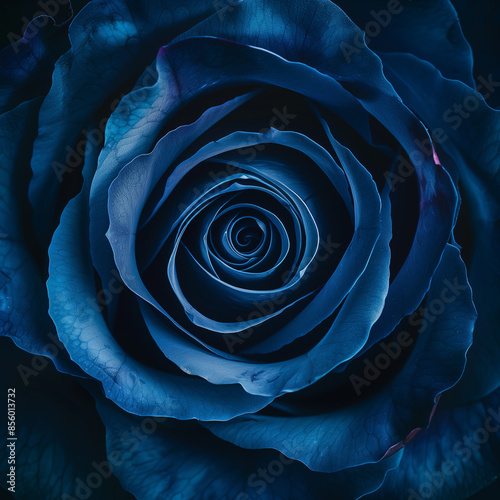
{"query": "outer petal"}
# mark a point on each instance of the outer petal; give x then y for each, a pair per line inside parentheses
(457, 456)
(479, 20)
(26, 66)
(171, 460)
(23, 300)
(59, 436)
(133, 142)
(437, 207)
(472, 142)
(429, 29)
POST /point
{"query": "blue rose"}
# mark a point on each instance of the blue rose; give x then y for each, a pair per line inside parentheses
(258, 242)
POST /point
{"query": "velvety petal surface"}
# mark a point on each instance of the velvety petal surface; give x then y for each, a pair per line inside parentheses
(59, 435)
(457, 456)
(404, 25)
(23, 301)
(173, 460)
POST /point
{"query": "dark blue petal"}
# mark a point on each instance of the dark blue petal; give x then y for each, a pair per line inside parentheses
(83, 330)
(160, 459)
(23, 299)
(290, 139)
(59, 436)
(316, 193)
(382, 424)
(438, 207)
(318, 46)
(429, 29)
(242, 299)
(471, 141)
(26, 66)
(367, 296)
(457, 456)
(480, 20)
(296, 32)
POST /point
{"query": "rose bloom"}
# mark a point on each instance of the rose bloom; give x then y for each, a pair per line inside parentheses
(249, 249)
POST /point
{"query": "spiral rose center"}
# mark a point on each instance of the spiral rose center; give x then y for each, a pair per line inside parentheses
(246, 235)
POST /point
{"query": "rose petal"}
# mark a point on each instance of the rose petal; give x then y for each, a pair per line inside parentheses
(23, 301)
(472, 143)
(58, 433)
(177, 459)
(428, 29)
